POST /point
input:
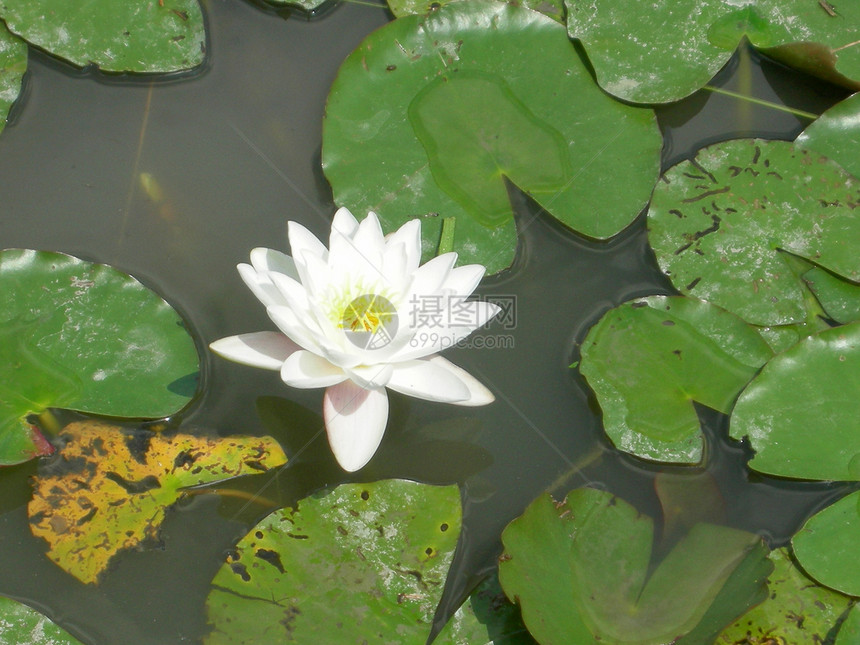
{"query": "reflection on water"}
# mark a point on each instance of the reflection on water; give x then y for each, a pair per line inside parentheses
(174, 182)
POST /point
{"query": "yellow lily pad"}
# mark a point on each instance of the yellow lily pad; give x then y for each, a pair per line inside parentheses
(109, 487)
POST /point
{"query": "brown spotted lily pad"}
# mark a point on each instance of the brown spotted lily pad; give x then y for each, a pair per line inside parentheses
(796, 609)
(728, 226)
(360, 563)
(109, 487)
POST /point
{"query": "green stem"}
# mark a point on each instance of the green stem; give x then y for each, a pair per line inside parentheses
(446, 240)
(775, 106)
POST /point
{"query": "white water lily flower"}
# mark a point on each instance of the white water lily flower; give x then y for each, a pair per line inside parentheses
(359, 317)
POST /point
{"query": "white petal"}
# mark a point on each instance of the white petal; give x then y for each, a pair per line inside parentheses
(289, 323)
(265, 260)
(373, 376)
(470, 315)
(379, 355)
(261, 286)
(463, 280)
(307, 370)
(303, 241)
(266, 349)
(355, 420)
(410, 236)
(478, 392)
(316, 276)
(431, 275)
(344, 223)
(369, 234)
(341, 358)
(394, 267)
(292, 293)
(349, 261)
(426, 380)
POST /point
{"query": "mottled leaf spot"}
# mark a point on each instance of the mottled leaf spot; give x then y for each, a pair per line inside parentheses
(130, 478)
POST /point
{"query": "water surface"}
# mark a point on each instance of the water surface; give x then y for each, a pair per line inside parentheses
(234, 152)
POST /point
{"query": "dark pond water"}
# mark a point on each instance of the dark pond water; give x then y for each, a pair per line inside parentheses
(235, 151)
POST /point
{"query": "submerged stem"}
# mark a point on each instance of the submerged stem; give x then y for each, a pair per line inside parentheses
(776, 106)
(232, 492)
(585, 460)
(376, 5)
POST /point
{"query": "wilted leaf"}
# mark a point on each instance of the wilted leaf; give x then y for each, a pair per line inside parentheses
(801, 413)
(108, 488)
(431, 113)
(13, 64)
(649, 360)
(656, 53)
(23, 625)
(582, 572)
(723, 224)
(85, 337)
(127, 36)
(828, 545)
(796, 610)
(359, 562)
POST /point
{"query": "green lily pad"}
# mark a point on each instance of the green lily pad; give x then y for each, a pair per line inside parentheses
(21, 624)
(581, 572)
(801, 413)
(85, 337)
(849, 632)
(109, 488)
(13, 64)
(359, 562)
(656, 53)
(839, 298)
(827, 545)
(722, 226)
(836, 134)
(690, 351)
(127, 36)
(430, 115)
(796, 610)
